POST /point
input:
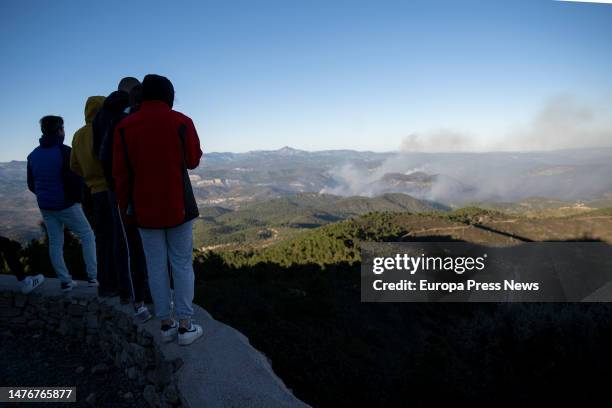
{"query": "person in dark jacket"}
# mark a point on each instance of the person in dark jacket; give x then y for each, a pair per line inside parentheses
(58, 193)
(153, 148)
(116, 282)
(130, 264)
(129, 279)
(9, 253)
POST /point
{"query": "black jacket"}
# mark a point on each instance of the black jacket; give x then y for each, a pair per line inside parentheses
(103, 126)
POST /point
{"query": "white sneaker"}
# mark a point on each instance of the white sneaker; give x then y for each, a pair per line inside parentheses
(188, 336)
(142, 314)
(31, 282)
(168, 332)
(92, 283)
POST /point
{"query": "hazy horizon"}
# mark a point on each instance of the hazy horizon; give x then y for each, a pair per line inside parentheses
(398, 151)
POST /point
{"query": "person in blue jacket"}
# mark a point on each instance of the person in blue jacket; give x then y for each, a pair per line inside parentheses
(58, 193)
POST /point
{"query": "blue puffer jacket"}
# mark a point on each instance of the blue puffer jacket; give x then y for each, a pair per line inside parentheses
(50, 178)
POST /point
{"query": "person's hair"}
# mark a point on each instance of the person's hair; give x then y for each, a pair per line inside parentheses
(50, 125)
(127, 83)
(157, 88)
(136, 96)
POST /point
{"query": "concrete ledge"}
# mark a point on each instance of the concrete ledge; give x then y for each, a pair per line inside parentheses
(221, 369)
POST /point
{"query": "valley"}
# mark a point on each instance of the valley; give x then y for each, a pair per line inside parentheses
(263, 197)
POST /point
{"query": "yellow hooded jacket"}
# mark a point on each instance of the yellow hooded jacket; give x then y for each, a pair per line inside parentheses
(82, 159)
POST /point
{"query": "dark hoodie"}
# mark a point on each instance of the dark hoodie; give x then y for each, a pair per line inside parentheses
(111, 113)
(114, 104)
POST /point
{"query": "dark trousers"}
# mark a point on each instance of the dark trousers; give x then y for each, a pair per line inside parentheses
(9, 252)
(106, 242)
(130, 259)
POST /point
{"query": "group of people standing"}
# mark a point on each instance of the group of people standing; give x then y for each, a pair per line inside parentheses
(133, 155)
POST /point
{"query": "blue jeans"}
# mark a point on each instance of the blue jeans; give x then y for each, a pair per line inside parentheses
(174, 245)
(74, 218)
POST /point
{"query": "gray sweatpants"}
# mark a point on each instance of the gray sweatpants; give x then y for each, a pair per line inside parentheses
(174, 245)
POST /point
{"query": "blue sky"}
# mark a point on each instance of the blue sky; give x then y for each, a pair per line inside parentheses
(309, 74)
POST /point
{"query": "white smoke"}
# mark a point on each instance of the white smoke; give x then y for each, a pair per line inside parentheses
(439, 140)
(563, 122)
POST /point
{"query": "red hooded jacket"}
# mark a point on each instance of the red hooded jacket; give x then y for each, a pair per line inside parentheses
(149, 165)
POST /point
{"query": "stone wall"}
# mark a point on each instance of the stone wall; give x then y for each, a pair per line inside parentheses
(131, 347)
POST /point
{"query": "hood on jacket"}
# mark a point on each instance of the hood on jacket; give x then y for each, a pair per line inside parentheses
(117, 101)
(50, 140)
(92, 106)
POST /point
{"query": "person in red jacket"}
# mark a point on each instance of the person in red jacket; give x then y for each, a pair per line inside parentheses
(152, 150)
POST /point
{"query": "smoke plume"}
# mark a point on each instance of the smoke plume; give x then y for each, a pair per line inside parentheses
(563, 152)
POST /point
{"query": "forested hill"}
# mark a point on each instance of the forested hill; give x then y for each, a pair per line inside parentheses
(265, 223)
(339, 242)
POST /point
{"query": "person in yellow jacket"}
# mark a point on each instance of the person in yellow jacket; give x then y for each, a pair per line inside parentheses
(82, 160)
(85, 164)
